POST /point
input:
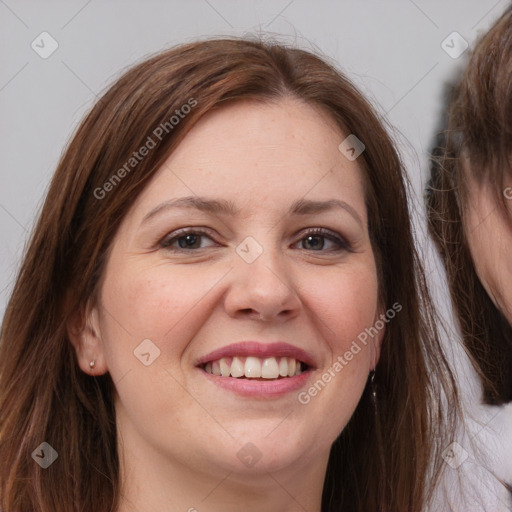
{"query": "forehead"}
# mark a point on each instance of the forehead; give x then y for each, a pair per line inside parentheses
(261, 153)
(268, 129)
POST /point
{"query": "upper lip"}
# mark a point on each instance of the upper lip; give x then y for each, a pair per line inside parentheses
(259, 349)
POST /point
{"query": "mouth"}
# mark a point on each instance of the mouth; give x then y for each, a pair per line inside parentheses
(255, 369)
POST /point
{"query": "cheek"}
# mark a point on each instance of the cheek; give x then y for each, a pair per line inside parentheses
(165, 306)
(345, 304)
(345, 308)
(490, 243)
(158, 303)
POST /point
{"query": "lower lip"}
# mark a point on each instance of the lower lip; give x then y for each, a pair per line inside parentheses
(260, 388)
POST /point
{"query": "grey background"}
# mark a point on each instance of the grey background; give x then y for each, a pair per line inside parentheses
(392, 49)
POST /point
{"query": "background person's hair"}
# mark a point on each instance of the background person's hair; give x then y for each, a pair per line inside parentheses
(477, 139)
(387, 458)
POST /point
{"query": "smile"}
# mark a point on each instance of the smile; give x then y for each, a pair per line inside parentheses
(258, 369)
(253, 367)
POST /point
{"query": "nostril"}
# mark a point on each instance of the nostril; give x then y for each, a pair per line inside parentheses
(253, 313)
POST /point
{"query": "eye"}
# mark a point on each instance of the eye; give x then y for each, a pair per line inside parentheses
(189, 239)
(186, 239)
(322, 240)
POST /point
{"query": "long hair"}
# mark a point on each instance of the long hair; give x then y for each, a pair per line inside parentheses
(386, 459)
(477, 140)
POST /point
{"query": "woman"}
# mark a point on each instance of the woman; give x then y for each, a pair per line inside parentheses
(221, 306)
(469, 207)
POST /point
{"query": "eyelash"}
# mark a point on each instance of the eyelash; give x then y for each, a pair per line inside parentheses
(343, 245)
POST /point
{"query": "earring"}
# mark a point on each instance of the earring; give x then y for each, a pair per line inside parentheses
(373, 387)
(92, 364)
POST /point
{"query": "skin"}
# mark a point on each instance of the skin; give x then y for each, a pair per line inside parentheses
(179, 434)
(489, 233)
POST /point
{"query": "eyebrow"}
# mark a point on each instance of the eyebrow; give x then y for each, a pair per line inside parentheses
(224, 207)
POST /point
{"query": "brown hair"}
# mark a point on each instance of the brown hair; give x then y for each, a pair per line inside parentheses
(479, 133)
(387, 458)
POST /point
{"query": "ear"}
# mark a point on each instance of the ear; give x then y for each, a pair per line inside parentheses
(379, 324)
(84, 333)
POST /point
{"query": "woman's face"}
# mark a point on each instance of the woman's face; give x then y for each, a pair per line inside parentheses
(247, 254)
(489, 234)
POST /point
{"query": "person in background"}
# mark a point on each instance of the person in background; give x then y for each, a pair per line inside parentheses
(469, 208)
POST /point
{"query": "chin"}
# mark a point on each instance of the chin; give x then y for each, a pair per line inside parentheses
(263, 446)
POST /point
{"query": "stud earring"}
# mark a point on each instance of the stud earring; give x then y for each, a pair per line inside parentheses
(92, 364)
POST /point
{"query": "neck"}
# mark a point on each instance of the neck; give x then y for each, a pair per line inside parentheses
(153, 481)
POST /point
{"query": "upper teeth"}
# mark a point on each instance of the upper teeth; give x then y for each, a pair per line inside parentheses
(254, 367)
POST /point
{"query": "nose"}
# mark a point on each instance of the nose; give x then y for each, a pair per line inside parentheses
(262, 290)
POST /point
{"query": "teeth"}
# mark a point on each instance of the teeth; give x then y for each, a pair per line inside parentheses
(253, 367)
(270, 368)
(292, 364)
(216, 368)
(224, 368)
(237, 368)
(283, 367)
